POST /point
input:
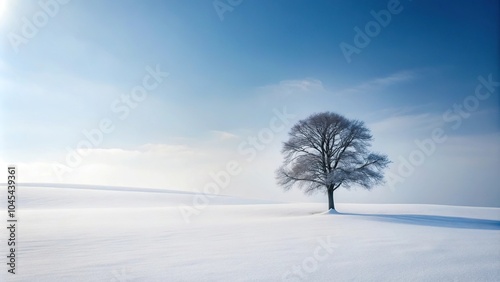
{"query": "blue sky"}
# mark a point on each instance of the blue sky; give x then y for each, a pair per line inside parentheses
(227, 73)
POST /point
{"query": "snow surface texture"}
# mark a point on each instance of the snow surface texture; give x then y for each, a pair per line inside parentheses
(91, 234)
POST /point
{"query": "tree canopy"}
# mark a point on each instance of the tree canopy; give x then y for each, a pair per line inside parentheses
(326, 151)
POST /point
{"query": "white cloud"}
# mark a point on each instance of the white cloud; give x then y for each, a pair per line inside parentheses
(381, 82)
(223, 135)
(294, 87)
(407, 123)
(167, 150)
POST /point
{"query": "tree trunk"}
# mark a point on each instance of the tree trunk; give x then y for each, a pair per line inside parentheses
(331, 203)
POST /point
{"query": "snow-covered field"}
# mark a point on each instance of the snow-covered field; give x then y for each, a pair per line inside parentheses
(90, 234)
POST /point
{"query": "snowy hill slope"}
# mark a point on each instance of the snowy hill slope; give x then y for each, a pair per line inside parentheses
(92, 234)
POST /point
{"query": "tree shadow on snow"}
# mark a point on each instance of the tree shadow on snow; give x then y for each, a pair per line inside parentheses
(436, 221)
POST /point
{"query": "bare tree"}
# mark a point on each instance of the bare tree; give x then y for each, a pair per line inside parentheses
(326, 151)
